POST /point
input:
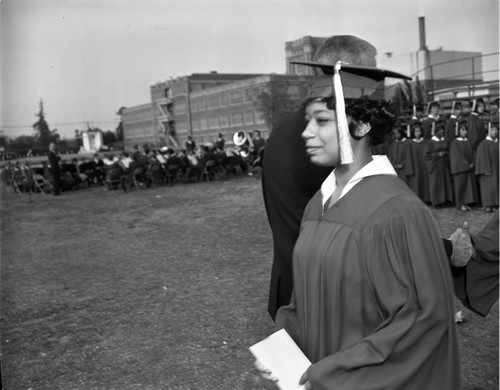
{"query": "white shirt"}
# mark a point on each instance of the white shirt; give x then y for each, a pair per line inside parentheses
(380, 165)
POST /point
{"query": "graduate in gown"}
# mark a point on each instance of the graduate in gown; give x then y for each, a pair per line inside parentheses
(429, 123)
(476, 124)
(419, 182)
(289, 179)
(487, 169)
(462, 169)
(372, 306)
(437, 163)
(400, 156)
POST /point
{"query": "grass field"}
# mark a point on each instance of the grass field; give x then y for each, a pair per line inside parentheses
(156, 289)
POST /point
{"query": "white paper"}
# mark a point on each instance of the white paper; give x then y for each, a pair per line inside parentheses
(280, 355)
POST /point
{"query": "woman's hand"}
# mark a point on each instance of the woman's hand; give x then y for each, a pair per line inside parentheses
(265, 372)
(304, 380)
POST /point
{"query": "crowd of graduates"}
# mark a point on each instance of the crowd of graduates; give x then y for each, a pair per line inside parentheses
(140, 167)
(449, 160)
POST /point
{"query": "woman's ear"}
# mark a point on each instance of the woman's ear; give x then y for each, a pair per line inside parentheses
(362, 129)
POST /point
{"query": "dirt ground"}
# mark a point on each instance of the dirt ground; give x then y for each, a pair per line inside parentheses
(162, 288)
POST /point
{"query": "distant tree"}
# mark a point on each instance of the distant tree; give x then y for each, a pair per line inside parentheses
(23, 142)
(409, 95)
(420, 94)
(274, 103)
(4, 141)
(119, 131)
(109, 137)
(44, 136)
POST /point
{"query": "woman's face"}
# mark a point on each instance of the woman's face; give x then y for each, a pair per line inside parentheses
(463, 132)
(321, 135)
(418, 132)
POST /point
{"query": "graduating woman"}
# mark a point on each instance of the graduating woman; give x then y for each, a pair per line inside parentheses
(462, 169)
(475, 123)
(487, 169)
(419, 182)
(400, 156)
(372, 305)
(437, 163)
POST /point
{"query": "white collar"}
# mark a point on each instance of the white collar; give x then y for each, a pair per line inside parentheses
(491, 139)
(461, 139)
(453, 116)
(435, 138)
(380, 165)
(417, 140)
(401, 140)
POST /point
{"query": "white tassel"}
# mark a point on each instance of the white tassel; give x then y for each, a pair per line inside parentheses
(346, 153)
(456, 129)
(433, 130)
(408, 132)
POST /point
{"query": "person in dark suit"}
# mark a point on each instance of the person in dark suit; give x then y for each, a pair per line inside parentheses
(289, 179)
(55, 169)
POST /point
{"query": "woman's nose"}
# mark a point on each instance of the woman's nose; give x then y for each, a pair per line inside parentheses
(308, 131)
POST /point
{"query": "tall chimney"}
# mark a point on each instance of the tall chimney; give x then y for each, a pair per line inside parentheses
(421, 30)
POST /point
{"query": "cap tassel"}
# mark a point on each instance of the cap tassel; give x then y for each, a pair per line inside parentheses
(433, 130)
(408, 133)
(474, 105)
(456, 129)
(489, 130)
(346, 153)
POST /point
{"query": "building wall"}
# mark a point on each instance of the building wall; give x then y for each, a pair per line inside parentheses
(234, 107)
(302, 49)
(138, 125)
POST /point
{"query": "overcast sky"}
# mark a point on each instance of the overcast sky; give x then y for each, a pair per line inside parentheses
(87, 58)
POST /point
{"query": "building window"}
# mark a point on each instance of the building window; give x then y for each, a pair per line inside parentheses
(249, 118)
(293, 91)
(202, 105)
(236, 118)
(213, 122)
(223, 100)
(203, 124)
(194, 105)
(259, 118)
(224, 120)
(213, 102)
(196, 124)
(249, 96)
(181, 126)
(236, 98)
(180, 108)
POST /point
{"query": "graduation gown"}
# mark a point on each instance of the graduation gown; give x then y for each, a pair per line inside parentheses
(400, 158)
(487, 171)
(476, 129)
(419, 182)
(372, 305)
(461, 159)
(476, 284)
(440, 190)
(289, 180)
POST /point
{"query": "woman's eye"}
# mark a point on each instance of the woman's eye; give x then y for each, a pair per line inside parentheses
(321, 121)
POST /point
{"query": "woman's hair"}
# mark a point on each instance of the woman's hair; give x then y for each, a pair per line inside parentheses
(379, 114)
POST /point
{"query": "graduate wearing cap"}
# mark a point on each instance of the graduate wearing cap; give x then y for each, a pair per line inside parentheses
(290, 179)
(451, 127)
(438, 168)
(487, 168)
(419, 182)
(430, 121)
(462, 169)
(476, 124)
(400, 156)
(372, 306)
